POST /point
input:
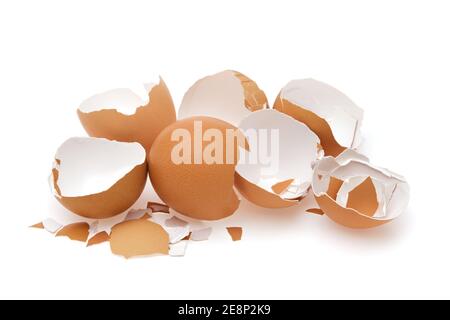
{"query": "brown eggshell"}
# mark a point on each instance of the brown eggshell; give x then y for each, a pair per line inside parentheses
(228, 95)
(76, 231)
(346, 216)
(296, 150)
(235, 233)
(259, 196)
(98, 238)
(138, 238)
(113, 196)
(111, 202)
(318, 125)
(366, 206)
(143, 126)
(333, 116)
(200, 191)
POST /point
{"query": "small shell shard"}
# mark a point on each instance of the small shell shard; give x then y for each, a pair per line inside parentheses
(157, 207)
(76, 231)
(51, 225)
(235, 233)
(201, 235)
(98, 238)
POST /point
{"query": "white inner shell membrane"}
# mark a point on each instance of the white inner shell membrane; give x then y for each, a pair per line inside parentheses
(341, 113)
(219, 96)
(351, 183)
(294, 150)
(123, 100)
(392, 191)
(93, 165)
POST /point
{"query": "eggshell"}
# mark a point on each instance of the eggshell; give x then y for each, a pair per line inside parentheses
(356, 194)
(98, 178)
(76, 231)
(325, 110)
(296, 150)
(98, 238)
(235, 233)
(201, 191)
(157, 207)
(178, 249)
(123, 115)
(138, 238)
(228, 95)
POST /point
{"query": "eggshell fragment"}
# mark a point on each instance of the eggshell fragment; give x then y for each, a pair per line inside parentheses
(157, 207)
(284, 176)
(134, 214)
(38, 225)
(178, 249)
(98, 238)
(177, 229)
(356, 194)
(228, 95)
(51, 225)
(175, 222)
(201, 234)
(123, 115)
(76, 231)
(235, 233)
(195, 188)
(98, 178)
(138, 238)
(325, 110)
(317, 211)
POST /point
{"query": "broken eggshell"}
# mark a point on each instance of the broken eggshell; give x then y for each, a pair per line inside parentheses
(98, 178)
(356, 194)
(138, 238)
(124, 115)
(191, 185)
(325, 110)
(228, 95)
(276, 171)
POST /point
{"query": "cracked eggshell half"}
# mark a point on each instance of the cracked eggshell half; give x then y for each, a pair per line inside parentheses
(356, 194)
(98, 178)
(325, 110)
(228, 95)
(130, 116)
(276, 171)
(191, 167)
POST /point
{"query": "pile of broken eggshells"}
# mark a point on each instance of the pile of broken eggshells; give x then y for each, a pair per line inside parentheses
(99, 178)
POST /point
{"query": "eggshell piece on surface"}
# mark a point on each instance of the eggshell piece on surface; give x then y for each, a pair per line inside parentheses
(157, 207)
(356, 194)
(276, 171)
(228, 95)
(123, 115)
(38, 225)
(196, 186)
(98, 178)
(100, 237)
(138, 238)
(235, 233)
(51, 225)
(76, 231)
(178, 249)
(325, 110)
(201, 234)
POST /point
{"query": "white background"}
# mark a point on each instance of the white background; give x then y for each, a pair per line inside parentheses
(390, 57)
